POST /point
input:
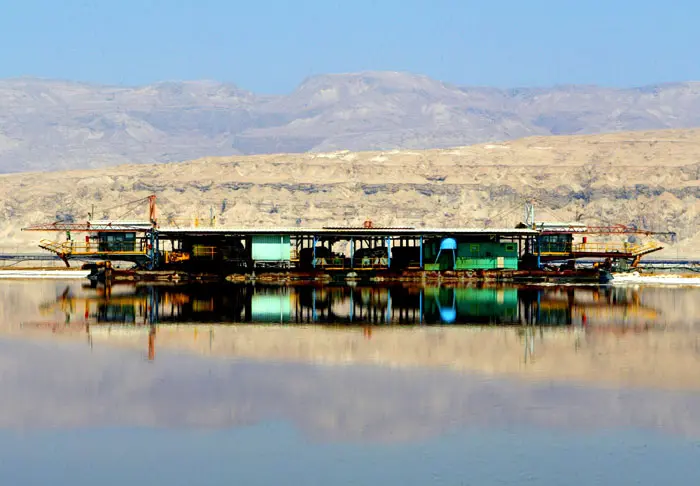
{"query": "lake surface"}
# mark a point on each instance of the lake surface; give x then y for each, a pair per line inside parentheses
(235, 384)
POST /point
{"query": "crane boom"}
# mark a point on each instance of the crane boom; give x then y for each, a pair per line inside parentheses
(616, 229)
(105, 225)
(100, 226)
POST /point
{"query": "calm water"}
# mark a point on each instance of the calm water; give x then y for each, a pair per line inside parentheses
(348, 385)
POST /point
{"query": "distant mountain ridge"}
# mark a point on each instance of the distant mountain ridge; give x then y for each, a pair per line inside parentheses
(52, 125)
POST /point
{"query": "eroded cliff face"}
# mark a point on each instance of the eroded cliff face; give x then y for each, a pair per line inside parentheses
(649, 179)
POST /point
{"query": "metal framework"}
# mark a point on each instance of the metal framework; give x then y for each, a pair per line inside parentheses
(104, 226)
(96, 226)
(616, 229)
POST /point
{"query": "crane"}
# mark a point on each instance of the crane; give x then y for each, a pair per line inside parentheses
(106, 225)
(615, 229)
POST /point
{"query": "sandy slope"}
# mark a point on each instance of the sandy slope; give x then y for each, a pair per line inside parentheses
(651, 179)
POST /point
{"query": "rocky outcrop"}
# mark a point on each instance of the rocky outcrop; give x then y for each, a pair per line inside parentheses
(647, 179)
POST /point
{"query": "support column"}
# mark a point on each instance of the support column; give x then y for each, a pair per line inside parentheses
(421, 252)
(313, 260)
(152, 250)
(156, 245)
(352, 252)
(388, 251)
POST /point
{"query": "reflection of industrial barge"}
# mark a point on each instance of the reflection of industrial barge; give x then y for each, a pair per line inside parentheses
(367, 253)
(395, 304)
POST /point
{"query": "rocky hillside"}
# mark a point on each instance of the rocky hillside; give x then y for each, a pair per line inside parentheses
(649, 179)
(53, 125)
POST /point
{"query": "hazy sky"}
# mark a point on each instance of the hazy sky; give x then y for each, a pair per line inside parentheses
(271, 45)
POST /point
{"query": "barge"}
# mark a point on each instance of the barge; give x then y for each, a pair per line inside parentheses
(544, 252)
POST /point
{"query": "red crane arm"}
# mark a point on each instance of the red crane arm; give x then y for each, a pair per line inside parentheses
(616, 229)
(104, 226)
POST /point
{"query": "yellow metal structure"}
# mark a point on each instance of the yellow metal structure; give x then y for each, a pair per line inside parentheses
(202, 251)
(176, 256)
(623, 249)
(74, 248)
(193, 222)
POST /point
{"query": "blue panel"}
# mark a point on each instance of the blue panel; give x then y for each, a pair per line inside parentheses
(448, 244)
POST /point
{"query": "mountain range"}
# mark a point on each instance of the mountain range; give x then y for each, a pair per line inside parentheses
(54, 125)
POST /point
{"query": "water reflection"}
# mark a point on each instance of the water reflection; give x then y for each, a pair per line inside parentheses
(79, 417)
(396, 305)
(462, 340)
(452, 375)
(626, 336)
(71, 386)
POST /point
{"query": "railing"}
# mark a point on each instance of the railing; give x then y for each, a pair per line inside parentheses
(625, 248)
(199, 251)
(340, 262)
(194, 222)
(330, 263)
(371, 262)
(93, 248)
(605, 247)
(52, 246)
(648, 247)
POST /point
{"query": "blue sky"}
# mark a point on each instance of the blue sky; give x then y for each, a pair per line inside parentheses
(270, 46)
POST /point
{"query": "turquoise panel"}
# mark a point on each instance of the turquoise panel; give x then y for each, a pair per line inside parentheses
(270, 248)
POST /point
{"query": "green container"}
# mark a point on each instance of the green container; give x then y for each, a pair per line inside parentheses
(487, 250)
(271, 248)
(482, 255)
(490, 263)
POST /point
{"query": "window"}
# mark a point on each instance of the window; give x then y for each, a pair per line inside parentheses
(117, 241)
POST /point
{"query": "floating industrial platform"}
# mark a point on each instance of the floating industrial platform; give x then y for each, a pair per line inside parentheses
(367, 252)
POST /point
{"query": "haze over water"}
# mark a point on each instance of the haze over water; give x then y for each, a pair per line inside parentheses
(348, 385)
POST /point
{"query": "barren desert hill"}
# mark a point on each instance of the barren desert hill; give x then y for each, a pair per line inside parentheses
(62, 125)
(647, 178)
